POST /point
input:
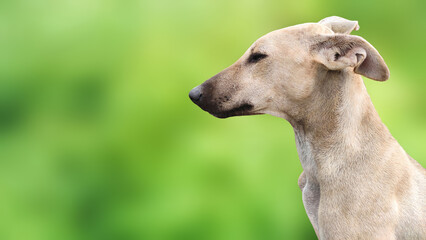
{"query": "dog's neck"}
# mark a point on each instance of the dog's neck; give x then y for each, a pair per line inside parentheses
(340, 126)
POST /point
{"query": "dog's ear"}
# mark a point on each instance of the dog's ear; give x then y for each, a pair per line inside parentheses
(337, 52)
(340, 25)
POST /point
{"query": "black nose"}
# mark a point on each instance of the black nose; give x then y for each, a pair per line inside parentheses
(195, 94)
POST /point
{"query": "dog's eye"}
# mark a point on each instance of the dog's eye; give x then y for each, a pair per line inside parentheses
(256, 57)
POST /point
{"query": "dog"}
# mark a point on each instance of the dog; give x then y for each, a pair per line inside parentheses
(358, 182)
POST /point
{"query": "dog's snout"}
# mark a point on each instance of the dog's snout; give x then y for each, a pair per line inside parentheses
(195, 94)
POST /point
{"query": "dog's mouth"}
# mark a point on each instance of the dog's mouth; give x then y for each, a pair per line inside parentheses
(241, 110)
(214, 105)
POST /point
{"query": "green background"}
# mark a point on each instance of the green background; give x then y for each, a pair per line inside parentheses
(99, 140)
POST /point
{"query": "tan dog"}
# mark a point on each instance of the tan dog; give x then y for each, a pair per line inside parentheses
(358, 182)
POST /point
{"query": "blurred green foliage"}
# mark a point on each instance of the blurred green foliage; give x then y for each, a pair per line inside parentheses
(98, 139)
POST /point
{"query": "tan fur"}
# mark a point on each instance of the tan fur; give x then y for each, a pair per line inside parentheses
(358, 182)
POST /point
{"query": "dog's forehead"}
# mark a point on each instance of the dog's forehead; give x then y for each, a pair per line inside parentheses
(290, 34)
(309, 28)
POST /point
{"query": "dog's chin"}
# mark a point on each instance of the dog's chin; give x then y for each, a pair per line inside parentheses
(242, 110)
(223, 116)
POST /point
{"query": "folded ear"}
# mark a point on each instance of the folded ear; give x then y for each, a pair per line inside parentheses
(337, 52)
(340, 25)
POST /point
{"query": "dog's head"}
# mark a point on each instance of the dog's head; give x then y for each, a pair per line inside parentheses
(281, 69)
